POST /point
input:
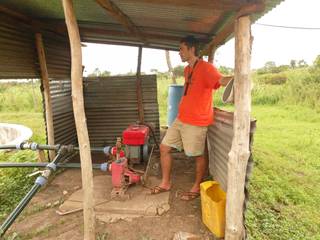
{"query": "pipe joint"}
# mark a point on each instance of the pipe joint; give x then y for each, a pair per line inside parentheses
(52, 166)
(104, 167)
(41, 180)
(34, 146)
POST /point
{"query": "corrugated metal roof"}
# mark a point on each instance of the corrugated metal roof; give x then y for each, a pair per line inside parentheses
(203, 18)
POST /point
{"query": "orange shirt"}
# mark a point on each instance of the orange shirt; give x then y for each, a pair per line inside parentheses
(196, 103)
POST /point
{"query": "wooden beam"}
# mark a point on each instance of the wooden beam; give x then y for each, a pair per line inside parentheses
(86, 30)
(203, 4)
(139, 88)
(239, 154)
(80, 120)
(46, 91)
(228, 29)
(122, 18)
(211, 55)
(15, 14)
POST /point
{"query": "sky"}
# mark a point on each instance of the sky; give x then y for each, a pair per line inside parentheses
(270, 44)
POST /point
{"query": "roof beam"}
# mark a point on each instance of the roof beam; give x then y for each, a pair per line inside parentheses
(115, 12)
(15, 14)
(228, 29)
(203, 4)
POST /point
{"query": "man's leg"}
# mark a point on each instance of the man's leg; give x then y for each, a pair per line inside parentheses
(201, 169)
(166, 163)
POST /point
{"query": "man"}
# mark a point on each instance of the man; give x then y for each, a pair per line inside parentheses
(195, 114)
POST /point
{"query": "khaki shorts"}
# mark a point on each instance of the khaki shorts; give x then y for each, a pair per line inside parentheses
(185, 136)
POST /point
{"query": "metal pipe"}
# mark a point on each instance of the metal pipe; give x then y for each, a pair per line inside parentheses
(23, 203)
(35, 146)
(44, 164)
(40, 181)
(8, 147)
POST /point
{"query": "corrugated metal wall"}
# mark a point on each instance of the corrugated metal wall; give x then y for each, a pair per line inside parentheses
(220, 137)
(17, 50)
(63, 119)
(58, 59)
(19, 60)
(111, 105)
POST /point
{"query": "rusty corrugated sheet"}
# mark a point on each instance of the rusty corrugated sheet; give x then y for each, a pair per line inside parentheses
(63, 120)
(220, 137)
(57, 50)
(17, 50)
(111, 105)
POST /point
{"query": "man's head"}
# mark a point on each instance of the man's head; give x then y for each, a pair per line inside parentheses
(189, 48)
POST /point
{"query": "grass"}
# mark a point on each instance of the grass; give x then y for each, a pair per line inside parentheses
(284, 197)
(16, 180)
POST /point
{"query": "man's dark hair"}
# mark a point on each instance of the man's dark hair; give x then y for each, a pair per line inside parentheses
(190, 41)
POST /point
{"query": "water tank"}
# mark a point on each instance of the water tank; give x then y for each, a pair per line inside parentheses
(174, 96)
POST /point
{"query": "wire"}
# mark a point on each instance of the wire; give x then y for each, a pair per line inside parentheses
(291, 27)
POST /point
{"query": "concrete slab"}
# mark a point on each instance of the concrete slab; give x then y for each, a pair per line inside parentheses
(141, 203)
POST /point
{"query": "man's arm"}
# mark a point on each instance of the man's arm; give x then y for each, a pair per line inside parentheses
(224, 80)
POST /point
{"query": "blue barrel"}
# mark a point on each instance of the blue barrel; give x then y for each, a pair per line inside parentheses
(174, 97)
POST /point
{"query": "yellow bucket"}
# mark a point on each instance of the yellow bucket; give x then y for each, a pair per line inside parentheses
(213, 205)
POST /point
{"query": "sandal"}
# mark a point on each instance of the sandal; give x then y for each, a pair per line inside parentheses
(157, 190)
(188, 196)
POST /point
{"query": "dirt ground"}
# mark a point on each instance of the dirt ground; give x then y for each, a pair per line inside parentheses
(40, 220)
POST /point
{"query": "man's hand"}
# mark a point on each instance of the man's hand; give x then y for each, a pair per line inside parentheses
(225, 79)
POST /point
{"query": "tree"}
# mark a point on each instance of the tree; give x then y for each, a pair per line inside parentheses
(179, 71)
(225, 70)
(302, 63)
(97, 73)
(172, 73)
(293, 63)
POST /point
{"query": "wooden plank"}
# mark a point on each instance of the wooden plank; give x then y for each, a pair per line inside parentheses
(80, 120)
(46, 92)
(228, 29)
(239, 154)
(116, 12)
(138, 87)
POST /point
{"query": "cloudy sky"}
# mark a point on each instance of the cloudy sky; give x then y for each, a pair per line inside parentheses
(270, 43)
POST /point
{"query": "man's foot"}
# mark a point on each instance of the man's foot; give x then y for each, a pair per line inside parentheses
(188, 196)
(158, 189)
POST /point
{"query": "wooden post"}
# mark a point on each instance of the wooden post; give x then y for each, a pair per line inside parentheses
(139, 87)
(239, 154)
(41, 156)
(80, 120)
(46, 91)
(211, 55)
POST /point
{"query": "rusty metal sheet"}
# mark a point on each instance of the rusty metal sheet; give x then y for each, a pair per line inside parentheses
(220, 136)
(111, 105)
(17, 51)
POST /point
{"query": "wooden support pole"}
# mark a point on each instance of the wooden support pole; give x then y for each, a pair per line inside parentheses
(211, 55)
(139, 87)
(239, 154)
(80, 120)
(46, 91)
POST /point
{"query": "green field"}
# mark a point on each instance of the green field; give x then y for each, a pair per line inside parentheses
(284, 187)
